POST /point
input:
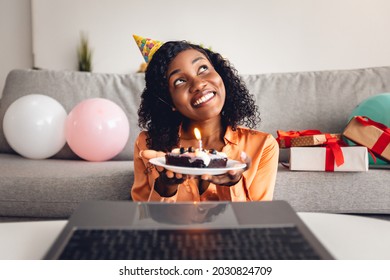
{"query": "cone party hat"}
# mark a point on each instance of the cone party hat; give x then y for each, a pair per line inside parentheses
(147, 46)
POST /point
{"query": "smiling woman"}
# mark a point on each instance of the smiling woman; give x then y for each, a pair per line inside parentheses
(188, 87)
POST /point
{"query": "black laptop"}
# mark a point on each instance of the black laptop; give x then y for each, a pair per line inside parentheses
(122, 230)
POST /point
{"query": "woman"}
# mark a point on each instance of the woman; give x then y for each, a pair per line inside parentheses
(188, 86)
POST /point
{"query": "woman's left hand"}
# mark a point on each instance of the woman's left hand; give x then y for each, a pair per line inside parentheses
(149, 154)
(231, 177)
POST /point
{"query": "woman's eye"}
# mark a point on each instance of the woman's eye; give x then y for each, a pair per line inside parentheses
(202, 69)
(178, 82)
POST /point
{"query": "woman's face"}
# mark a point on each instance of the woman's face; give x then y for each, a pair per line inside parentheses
(196, 89)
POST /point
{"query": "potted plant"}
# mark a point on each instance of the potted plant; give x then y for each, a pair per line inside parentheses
(84, 54)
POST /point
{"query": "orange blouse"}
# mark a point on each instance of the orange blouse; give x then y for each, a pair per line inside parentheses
(257, 183)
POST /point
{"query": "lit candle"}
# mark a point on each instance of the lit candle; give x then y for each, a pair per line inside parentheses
(199, 137)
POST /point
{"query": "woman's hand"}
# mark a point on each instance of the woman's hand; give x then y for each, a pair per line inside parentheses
(166, 184)
(231, 177)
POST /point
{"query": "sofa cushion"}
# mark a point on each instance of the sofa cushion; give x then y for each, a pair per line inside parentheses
(70, 88)
(335, 192)
(54, 187)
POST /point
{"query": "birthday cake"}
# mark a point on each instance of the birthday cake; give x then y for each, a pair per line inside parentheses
(196, 158)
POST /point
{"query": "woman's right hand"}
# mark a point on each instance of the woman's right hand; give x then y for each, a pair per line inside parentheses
(166, 184)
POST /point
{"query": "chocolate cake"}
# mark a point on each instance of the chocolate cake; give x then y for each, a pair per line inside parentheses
(195, 158)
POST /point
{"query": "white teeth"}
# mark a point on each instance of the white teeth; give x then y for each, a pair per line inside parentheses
(204, 98)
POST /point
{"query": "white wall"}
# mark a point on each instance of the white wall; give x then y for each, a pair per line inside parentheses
(256, 35)
(15, 37)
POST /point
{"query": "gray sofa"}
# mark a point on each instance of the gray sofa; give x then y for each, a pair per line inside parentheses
(52, 188)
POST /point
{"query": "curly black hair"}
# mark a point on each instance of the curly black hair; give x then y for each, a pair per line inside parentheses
(155, 112)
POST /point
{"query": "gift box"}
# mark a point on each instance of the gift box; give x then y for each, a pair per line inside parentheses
(373, 135)
(322, 159)
(304, 138)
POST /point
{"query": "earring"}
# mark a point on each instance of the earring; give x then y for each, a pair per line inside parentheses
(173, 109)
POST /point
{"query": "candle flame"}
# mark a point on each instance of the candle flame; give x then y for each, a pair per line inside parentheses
(197, 133)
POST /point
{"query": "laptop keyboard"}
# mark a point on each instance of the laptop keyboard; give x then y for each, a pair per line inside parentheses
(213, 244)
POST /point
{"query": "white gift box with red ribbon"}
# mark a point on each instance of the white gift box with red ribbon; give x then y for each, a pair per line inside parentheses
(321, 159)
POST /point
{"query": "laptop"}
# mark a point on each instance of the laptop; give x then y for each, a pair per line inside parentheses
(186, 231)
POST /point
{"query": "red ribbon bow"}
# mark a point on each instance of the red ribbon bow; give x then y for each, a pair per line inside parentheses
(334, 154)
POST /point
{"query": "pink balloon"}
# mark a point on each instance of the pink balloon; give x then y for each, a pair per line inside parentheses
(97, 129)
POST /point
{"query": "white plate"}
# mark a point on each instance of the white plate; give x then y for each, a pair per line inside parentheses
(230, 165)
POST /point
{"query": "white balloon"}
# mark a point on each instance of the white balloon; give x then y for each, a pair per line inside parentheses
(34, 126)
